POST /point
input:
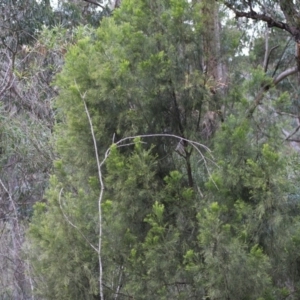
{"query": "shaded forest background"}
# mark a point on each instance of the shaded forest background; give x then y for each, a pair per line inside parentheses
(150, 149)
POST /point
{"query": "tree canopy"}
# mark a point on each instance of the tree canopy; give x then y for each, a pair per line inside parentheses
(150, 150)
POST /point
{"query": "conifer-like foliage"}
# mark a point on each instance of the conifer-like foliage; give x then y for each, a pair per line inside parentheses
(174, 221)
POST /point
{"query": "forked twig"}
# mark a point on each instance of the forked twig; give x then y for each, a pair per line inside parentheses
(71, 223)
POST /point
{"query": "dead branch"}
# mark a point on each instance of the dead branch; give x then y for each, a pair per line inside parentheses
(72, 224)
(268, 58)
(95, 3)
(271, 22)
(265, 89)
(281, 56)
(285, 74)
(295, 131)
(100, 194)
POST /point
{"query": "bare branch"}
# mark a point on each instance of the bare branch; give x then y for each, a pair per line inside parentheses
(266, 60)
(95, 3)
(286, 114)
(264, 89)
(119, 283)
(164, 135)
(72, 224)
(100, 195)
(268, 57)
(194, 144)
(294, 132)
(281, 56)
(285, 74)
(294, 140)
(252, 14)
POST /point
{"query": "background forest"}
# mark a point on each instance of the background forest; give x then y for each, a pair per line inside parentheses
(150, 149)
